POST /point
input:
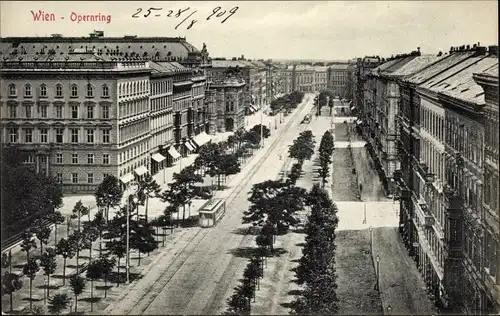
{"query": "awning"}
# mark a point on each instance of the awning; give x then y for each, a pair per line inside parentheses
(127, 178)
(189, 146)
(254, 108)
(141, 170)
(158, 157)
(173, 152)
(250, 109)
(359, 122)
(201, 139)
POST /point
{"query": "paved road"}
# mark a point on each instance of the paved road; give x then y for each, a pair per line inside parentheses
(201, 276)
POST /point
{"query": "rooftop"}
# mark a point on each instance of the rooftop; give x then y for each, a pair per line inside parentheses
(160, 47)
(166, 67)
(231, 63)
(416, 64)
(462, 86)
(339, 66)
(443, 64)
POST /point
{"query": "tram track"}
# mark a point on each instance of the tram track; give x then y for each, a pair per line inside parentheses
(151, 292)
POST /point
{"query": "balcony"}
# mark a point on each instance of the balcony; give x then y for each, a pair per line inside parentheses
(423, 213)
(424, 174)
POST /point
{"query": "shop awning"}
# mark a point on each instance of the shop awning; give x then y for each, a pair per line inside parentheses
(173, 152)
(201, 139)
(141, 170)
(250, 109)
(127, 178)
(158, 157)
(254, 107)
(189, 146)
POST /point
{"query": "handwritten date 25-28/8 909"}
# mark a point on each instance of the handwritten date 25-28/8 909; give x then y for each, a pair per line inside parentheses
(217, 12)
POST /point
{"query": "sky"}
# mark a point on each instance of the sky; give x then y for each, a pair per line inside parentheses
(322, 30)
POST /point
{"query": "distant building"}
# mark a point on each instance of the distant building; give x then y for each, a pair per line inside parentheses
(340, 79)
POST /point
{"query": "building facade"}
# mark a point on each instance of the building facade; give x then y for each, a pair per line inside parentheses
(441, 146)
(339, 79)
(81, 124)
(488, 80)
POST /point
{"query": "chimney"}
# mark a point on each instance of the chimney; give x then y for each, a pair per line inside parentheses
(468, 47)
(480, 51)
(493, 50)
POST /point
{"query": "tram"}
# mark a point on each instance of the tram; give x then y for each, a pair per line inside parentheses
(212, 212)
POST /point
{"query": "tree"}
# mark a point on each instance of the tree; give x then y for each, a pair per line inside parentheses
(7, 260)
(77, 284)
(90, 234)
(55, 218)
(303, 147)
(229, 165)
(80, 210)
(142, 237)
(94, 272)
(160, 221)
(11, 283)
(108, 194)
(252, 137)
(238, 304)
(30, 269)
(49, 265)
(106, 264)
(67, 250)
(183, 186)
(316, 267)
(295, 173)
(24, 201)
(275, 203)
(266, 132)
(78, 242)
(58, 303)
(327, 144)
(99, 223)
(118, 249)
(43, 235)
(324, 170)
(149, 188)
(28, 243)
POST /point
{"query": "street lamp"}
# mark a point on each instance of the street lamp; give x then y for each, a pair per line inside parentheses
(378, 272)
(371, 240)
(134, 187)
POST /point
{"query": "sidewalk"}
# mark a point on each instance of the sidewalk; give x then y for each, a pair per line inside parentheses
(155, 208)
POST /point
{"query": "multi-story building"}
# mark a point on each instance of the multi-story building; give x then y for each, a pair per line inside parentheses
(229, 93)
(320, 78)
(363, 68)
(303, 78)
(144, 130)
(441, 149)
(488, 80)
(78, 117)
(383, 97)
(339, 79)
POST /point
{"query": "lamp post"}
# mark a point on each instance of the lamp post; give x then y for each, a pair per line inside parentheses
(364, 220)
(134, 187)
(371, 240)
(378, 272)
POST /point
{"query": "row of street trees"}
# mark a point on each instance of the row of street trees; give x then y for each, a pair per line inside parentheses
(287, 102)
(326, 148)
(316, 269)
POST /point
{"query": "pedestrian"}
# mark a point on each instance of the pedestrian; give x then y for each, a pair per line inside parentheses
(360, 187)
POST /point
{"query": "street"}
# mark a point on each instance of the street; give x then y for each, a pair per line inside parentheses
(199, 280)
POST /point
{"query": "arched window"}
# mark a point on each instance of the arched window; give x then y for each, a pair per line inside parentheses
(121, 89)
(27, 90)
(43, 90)
(134, 88)
(59, 90)
(126, 88)
(12, 90)
(105, 91)
(90, 91)
(74, 91)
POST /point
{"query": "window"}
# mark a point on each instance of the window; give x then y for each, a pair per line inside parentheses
(105, 112)
(28, 135)
(74, 178)
(90, 178)
(59, 158)
(59, 91)
(74, 158)
(59, 135)
(74, 111)
(43, 91)
(13, 135)
(12, 90)
(27, 91)
(28, 111)
(59, 177)
(43, 111)
(74, 91)
(74, 135)
(90, 136)
(90, 159)
(59, 111)
(105, 159)
(105, 136)
(44, 135)
(12, 111)
(105, 91)
(90, 91)
(90, 111)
